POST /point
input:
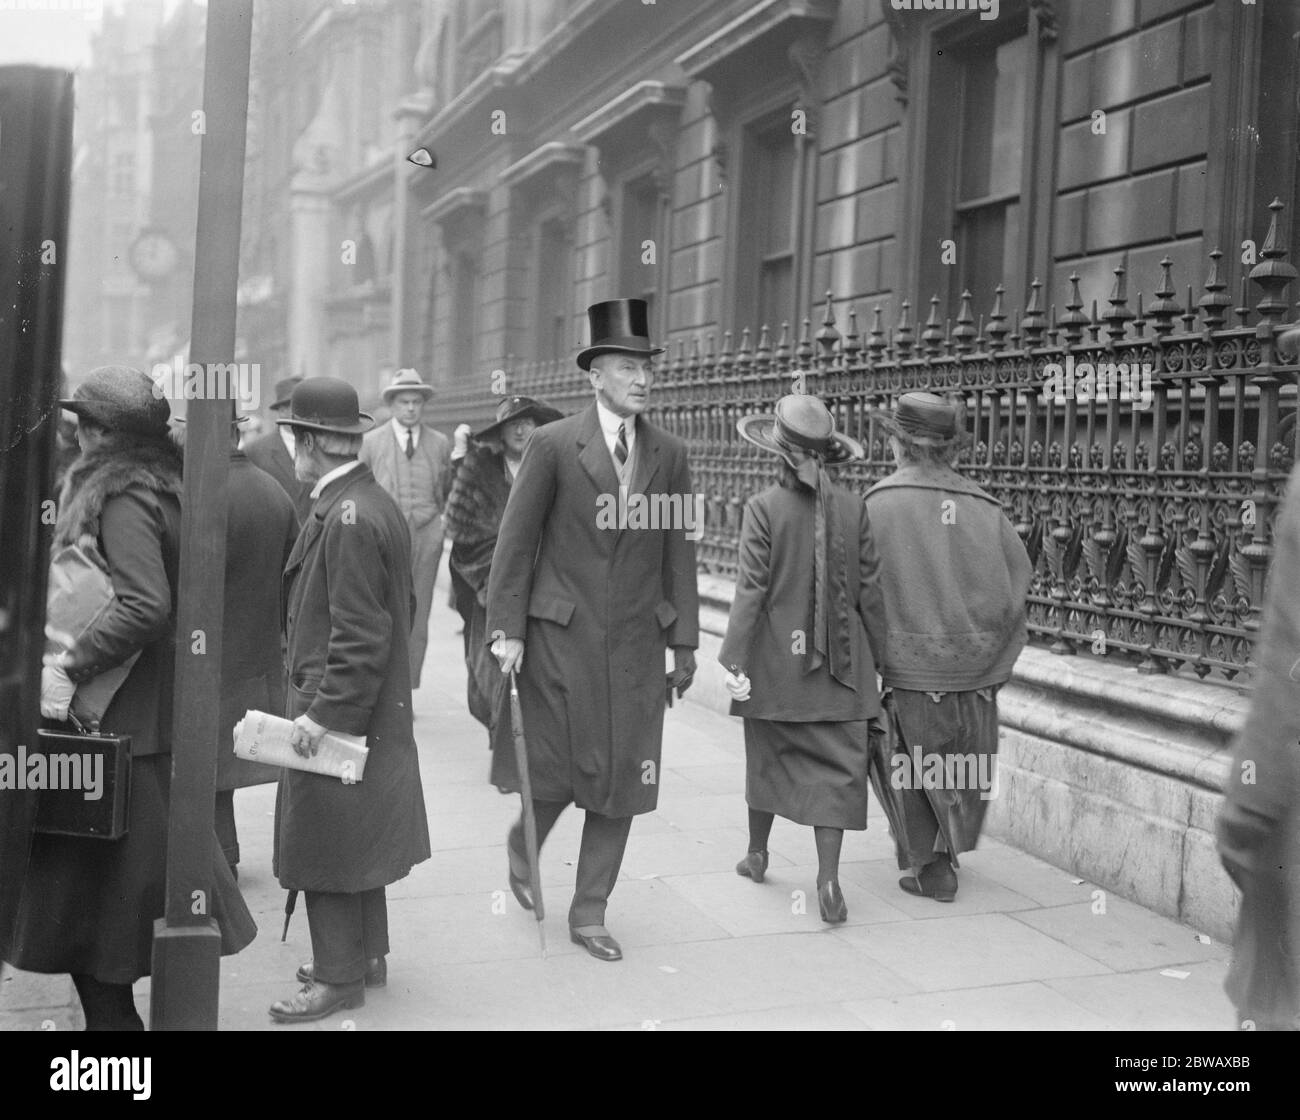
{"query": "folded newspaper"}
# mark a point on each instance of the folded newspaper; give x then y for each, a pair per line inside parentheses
(260, 737)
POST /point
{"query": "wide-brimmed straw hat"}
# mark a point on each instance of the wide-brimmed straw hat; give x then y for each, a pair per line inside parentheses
(800, 420)
(121, 399)
(327, 404)
(924, 418)
(407, 381)
(516, 408)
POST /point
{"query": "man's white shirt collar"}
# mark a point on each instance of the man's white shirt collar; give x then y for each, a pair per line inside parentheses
(400, 430)
(337, 472)
(609, 422)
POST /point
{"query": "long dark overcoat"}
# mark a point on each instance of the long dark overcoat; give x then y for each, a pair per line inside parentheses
(596, 607)
(268, 453)
(1259, 824)
(348, 594)
(260, 530)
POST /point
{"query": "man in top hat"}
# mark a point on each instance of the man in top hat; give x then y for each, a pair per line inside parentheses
(584, 610)
(413, 463)
(955, 575)
(348, 615)
(273, 452)
(485, 467)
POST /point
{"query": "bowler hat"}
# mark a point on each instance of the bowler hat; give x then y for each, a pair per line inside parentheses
(122, 399)
(618, 326)
(516, 408)
(407, 381)
(923, 418)
(283, 391)
(803, 421)
(327, 404)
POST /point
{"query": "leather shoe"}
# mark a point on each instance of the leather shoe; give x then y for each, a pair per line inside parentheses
(831, 902)
(376, 972)
(937, 881)
(599, 945)
(316, 1000)
(753, 866)
(521, 888)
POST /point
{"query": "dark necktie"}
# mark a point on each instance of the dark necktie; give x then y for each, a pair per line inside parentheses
(410, 442)
(620, 447)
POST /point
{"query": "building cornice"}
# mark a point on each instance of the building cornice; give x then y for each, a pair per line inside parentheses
(547, 159)
(644, 99)
(718, 50)
(455, 204)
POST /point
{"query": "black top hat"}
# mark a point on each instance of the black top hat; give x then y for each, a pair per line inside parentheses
(619, 326)
(327, 404)
(283, 391)
(513, 408)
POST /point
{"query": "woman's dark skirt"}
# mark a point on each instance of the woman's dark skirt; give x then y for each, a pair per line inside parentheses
(810, 773)
(89, 906)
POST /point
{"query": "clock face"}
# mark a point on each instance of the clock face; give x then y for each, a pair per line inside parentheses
(153, 255)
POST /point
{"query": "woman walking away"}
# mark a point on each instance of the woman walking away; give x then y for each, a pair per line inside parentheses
(806, 618)
(88, 906)
(955, 576)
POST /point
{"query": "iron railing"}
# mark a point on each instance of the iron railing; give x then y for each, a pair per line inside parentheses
(1150, 528)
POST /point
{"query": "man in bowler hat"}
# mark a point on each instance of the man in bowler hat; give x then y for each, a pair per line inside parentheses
(273, 452)
(348, 604)
(413, 463)
(584, 611)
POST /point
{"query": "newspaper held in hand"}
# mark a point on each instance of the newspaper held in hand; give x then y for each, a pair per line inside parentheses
(260, 737)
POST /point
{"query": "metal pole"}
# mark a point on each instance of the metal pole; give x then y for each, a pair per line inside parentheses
(187, 944)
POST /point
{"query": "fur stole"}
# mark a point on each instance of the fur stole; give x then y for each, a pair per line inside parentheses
(106, 471)
(478, 496)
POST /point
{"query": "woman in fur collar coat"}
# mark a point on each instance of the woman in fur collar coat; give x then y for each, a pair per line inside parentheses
(88, 907)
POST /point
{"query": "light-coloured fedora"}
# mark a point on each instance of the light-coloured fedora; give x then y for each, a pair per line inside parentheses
(407, 381)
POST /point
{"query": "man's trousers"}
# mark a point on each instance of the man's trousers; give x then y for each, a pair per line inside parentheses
(600, 856)
(426, 554)
(346, 931)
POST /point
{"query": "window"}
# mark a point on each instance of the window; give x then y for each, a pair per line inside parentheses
(768, 231)
(464, 325)
(638, 223)
(986, 219)
(123, 173)
(553, 281)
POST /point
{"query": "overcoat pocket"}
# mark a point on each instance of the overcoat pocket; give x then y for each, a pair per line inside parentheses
(666, 613)
(552, 608)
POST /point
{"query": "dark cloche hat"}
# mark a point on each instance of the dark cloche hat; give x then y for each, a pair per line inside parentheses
(620, 326)
(122, 399)
(514, 408)
(327, 404)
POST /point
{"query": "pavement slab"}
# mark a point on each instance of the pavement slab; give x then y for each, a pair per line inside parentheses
(705, 949)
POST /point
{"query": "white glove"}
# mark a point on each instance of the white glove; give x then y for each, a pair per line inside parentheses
(460, 443)
(738, 686)
(56, 689)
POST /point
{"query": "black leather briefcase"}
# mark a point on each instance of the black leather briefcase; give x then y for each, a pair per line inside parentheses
(85, 788)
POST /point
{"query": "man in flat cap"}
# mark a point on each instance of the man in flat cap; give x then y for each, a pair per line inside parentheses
(413, 463)
(584, 606)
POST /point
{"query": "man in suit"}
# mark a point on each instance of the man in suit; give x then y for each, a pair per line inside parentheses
(348, 603)
(593, 605)
(273, 452)
(413, 463)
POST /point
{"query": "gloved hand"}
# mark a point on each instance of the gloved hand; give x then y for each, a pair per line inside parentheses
(738, 685)
(460, 441)
(56, 689)
(679, 680)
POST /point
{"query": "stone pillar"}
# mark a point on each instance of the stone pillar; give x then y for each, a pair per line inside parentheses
(309, 253)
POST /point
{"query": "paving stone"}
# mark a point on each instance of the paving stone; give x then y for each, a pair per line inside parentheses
(1151, 1001)
(1032, 1006)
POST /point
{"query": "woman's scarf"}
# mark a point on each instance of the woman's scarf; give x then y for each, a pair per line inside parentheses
(832, 639)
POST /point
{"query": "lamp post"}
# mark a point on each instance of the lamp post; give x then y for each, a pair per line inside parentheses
(187, 943)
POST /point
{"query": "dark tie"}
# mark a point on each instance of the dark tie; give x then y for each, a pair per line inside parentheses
(410, 442)
(620, 447)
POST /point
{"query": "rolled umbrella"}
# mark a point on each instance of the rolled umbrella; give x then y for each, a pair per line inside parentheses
(530, 818)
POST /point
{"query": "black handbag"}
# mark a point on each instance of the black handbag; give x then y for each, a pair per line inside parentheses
(84, 780)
